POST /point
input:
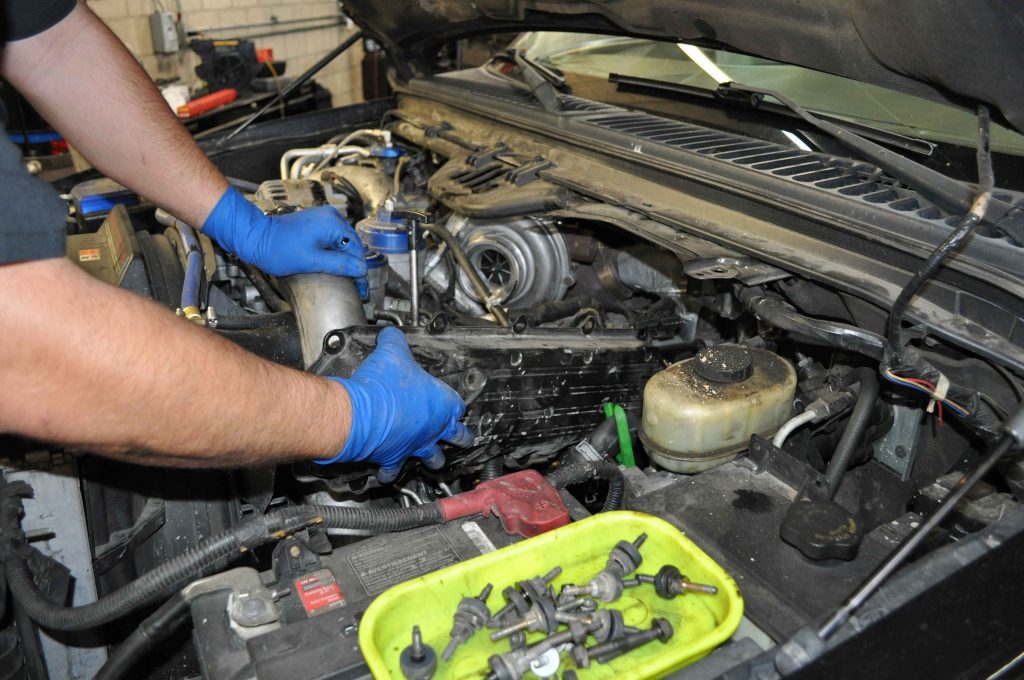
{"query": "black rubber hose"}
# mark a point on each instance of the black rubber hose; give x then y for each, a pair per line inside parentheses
(493, 469)
(772, 310)
(616, 487)
(155, 628)
(854, 432)
(274, 302)
(252, 321)
(150, 586)
(577, 472)
(605, 438)
(379, 520)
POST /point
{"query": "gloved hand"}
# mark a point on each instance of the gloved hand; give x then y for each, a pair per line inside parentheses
(304, 242)
(399, 410)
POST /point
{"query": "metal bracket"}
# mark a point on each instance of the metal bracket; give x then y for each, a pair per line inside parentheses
(898, 448)
(746, 270)
(767, 457)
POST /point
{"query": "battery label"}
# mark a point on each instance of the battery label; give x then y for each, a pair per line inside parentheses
(88, 254)
(319, 592)
(383, 565)
(479, 538)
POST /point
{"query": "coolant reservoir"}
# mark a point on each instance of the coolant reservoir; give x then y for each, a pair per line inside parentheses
(701, 412)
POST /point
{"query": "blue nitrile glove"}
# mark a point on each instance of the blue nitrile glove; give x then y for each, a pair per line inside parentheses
(399, 410)
(304, 242)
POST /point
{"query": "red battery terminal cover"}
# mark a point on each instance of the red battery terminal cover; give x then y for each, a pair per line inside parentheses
(524, 501)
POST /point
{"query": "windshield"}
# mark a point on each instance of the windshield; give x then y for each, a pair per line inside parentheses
(598, 56)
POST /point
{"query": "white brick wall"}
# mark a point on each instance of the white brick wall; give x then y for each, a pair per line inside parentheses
(129, 20)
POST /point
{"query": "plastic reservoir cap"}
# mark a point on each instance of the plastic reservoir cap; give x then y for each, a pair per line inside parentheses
(724, 364)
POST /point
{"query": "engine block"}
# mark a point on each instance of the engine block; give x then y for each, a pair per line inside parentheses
(529, 394)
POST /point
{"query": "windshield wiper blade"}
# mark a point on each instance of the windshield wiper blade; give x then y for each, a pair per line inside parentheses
(909, 144)
(948, 193)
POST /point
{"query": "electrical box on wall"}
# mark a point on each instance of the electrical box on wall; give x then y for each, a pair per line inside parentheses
(165, 32)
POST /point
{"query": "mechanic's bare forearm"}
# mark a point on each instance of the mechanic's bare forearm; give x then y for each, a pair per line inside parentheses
(91, 366)
(84, 82)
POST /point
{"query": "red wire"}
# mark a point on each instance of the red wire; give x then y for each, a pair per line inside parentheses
(931, 388)
(919, 381)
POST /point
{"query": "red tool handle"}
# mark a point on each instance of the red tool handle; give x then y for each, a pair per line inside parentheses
(207, 103)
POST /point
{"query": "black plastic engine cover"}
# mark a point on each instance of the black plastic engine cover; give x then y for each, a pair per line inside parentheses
(528, 394)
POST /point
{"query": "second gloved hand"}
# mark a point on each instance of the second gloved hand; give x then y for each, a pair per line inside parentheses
(399, 410)
(317, 240)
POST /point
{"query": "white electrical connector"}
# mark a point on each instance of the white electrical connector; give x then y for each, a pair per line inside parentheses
(164, 28)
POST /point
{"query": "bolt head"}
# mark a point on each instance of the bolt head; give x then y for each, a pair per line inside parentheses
(664, 629)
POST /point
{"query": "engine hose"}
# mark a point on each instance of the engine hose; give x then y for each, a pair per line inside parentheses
(150, 586)
(493, 469)
(577, 472)
(482, 291)
(605, 437)
(854, 432)
(155, 628)
(274, 302)
(772, 310)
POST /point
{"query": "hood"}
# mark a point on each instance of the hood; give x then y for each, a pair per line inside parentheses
(947, 50)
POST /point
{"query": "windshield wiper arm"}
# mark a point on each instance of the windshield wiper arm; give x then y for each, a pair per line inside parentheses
(952, 195)
(909, 144)
(543, 82)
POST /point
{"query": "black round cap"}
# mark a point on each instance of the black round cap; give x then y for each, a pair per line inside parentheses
(822, 530)
(724, 364)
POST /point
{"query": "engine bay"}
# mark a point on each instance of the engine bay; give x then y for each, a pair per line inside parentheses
(746, 403)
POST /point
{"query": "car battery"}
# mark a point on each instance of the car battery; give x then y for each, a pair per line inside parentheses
(300, 620)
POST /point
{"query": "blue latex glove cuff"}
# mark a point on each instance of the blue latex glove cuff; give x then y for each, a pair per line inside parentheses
(358, 442)
(304, 242)
(399, 411)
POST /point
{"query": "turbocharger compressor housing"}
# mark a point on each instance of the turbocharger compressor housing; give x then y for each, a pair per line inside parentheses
(525, 261)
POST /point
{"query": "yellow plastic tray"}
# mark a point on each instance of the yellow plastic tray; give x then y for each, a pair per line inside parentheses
(701, 622)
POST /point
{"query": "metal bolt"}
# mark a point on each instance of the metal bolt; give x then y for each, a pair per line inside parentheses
(606, 651)
(669, 583)
(471, 615)
(513, 665)
(541, 617)
(606, 586)
(418, 660)
(516, 603)
(625, 557)
(537, 587)
(608, 624)
(567, 604)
